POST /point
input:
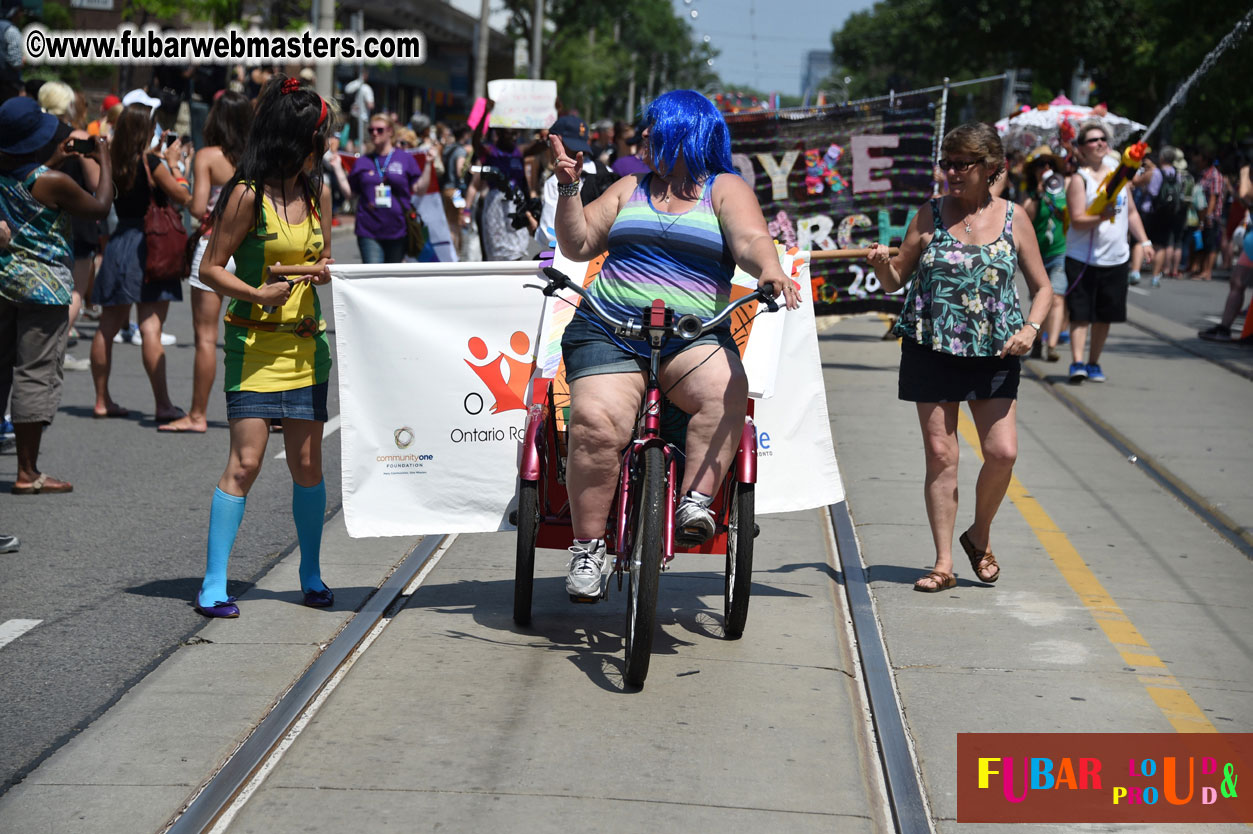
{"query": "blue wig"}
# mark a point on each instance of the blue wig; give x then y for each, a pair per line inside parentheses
(685, 122)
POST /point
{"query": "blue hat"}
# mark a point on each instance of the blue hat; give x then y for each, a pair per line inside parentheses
(24, 127)
(573, 133)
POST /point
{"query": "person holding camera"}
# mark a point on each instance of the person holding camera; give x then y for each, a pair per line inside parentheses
(1045, 204)
(385, 181)
(36, 282)
(144, 175)
(509, 218)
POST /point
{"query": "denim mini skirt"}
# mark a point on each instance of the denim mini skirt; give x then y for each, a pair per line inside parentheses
(308, 403)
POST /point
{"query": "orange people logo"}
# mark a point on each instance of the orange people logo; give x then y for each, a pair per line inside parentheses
(505, 376)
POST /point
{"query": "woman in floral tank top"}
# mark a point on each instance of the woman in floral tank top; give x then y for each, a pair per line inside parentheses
(962, 331)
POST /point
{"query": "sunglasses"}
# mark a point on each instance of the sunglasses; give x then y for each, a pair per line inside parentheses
(957, 167)
(1092, 140)
(378, 130)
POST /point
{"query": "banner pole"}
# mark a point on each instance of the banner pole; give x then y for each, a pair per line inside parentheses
(939, 134)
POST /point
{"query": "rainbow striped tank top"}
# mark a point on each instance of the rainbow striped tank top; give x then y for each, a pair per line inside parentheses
(681, 259)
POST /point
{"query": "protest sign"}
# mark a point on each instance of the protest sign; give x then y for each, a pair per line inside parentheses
(523, 103)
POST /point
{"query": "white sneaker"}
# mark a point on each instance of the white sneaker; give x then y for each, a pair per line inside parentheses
(73, 364)
(137, 338)
(588, 563)
(693, 522)
(127, 334)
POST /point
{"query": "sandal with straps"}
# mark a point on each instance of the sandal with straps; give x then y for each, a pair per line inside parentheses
(980, 562)
(940, 581)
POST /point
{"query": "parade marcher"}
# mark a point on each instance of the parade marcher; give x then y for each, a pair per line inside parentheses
(1241, 274)
(35, 278)
(1097, 253)
(226, 131)
(385, 181)
(1170, 215)
(962, 333)
(274, 210)
(1045, 204)
(693, 196)
(143, 176)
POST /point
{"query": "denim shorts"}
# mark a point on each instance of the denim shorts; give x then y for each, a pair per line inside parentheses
(1056, 269)
(307, 403)
(590, 351)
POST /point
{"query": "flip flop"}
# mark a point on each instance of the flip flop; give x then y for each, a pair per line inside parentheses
(41, 485)
(113, 411)
(169, 418)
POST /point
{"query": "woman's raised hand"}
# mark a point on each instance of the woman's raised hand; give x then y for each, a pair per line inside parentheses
(566, 170)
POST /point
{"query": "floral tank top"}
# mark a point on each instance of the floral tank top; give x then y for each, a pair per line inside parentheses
(963, 300)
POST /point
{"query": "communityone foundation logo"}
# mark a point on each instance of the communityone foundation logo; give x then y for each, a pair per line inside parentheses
(1103, 777)
(403, 437)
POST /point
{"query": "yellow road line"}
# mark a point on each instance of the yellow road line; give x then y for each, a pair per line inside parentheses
(1177, 705)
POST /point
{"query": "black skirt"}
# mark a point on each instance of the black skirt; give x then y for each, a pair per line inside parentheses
(929, 376)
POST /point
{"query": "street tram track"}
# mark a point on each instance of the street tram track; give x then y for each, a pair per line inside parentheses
(1142, 460)
(224, 793)
(221, 790)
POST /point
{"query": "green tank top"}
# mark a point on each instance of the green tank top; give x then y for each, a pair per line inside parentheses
(1048, 225)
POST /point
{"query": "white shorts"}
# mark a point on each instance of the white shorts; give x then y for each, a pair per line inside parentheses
(194, 277)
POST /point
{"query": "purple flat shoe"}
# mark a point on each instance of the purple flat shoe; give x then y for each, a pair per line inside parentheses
(223, 610)
(324, 598)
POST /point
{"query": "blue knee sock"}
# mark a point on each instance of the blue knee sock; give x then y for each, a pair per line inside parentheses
(225, 514)
(308, 508)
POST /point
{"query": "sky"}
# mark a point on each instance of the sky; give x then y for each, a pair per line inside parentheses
(784, 30)
(773, 60)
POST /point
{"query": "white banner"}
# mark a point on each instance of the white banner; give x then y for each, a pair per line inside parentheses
(433, 364)
(796, 466)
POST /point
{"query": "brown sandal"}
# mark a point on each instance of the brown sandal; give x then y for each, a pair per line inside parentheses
(41, 485)
(980, 562)
(940, 581)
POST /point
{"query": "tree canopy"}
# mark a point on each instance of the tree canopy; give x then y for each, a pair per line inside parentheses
(1138, 53)
(594, 50)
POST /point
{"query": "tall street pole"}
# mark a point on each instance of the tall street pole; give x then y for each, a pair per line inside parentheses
(480, 56)
(537, 35)
(325, 69)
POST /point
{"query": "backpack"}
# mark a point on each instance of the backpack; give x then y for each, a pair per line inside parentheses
(596, 184)
(1169, 201)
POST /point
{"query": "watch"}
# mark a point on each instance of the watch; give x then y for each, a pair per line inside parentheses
(1035, 325)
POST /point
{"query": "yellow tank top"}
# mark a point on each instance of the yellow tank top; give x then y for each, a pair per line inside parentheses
(260, 360)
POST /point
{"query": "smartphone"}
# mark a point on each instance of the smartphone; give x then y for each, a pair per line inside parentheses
(170, 138)
(81, 145)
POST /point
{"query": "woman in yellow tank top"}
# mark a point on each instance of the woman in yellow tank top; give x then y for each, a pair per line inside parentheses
(278, 359)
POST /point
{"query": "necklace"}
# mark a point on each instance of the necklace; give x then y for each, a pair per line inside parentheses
(977, 212)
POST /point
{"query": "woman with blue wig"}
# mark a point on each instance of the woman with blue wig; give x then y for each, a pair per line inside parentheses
(677, 234)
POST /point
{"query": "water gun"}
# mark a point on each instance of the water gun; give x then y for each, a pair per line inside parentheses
(1132, 157)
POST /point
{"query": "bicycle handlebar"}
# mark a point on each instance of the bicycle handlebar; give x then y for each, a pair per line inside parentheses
(687, 327)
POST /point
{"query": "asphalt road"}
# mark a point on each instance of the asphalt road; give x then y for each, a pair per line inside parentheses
(111, 569)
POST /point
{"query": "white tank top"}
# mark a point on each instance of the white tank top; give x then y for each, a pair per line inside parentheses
(1106, 245)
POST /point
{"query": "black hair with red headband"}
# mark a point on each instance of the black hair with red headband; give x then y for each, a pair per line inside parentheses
(291, 125)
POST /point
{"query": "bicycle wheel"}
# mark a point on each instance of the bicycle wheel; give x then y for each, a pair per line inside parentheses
(645, 565)
(524, 564)
(739, 577)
